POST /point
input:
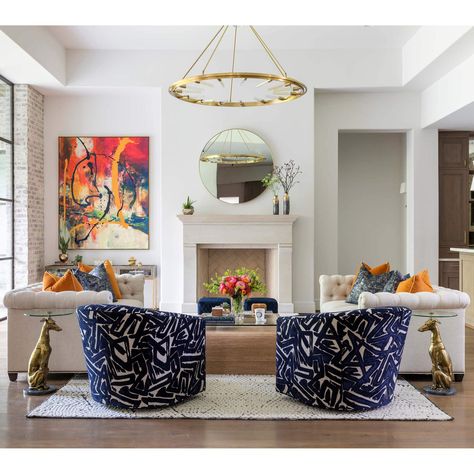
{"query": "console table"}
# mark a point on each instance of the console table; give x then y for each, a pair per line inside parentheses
(150, 272)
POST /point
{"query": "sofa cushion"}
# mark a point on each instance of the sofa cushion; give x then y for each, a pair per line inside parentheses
(90, 282)
(113, 281)
(84, 267)
(417, 283)
(68, 282)
(365, 281)
(378, 270)
(101, 272)
(393, 282)
(49, 279)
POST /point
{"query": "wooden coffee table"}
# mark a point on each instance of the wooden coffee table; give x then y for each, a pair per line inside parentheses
(246, 347)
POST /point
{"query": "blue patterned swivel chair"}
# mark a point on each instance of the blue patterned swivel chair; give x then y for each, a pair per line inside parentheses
(341, 361)
(272, 303)
(139, 358)
(206, 303)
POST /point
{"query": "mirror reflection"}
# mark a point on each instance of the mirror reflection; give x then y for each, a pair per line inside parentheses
(232, 165)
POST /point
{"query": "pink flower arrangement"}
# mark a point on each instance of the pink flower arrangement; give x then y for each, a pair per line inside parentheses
(239, 283)
(235, 286)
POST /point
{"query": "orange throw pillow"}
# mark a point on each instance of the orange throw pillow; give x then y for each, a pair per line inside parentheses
(68, 282)
(113, 281)
(49, 279)
(382, 268)
(416, 284)
(85, 268)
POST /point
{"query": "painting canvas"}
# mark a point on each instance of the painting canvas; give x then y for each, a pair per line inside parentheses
(104, 192)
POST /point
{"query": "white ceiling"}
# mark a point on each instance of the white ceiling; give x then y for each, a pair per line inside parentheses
(196, 37)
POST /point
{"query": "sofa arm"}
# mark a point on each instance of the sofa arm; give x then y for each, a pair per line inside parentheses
(441, 298)
(32, 298)
(334, 287)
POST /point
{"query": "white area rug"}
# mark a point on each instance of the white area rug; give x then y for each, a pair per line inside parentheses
(247, 397)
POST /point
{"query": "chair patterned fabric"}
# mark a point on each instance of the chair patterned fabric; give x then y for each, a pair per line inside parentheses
(138, 358)
(272, 303)
(341, 361)
(205, 304)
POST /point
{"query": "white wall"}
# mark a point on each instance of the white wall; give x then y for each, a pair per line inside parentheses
(102, 113)
(396, 111)
(287, 129)
(177, 136)
(370, 207)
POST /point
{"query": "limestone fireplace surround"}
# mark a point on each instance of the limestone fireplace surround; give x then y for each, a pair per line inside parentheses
(274, 234)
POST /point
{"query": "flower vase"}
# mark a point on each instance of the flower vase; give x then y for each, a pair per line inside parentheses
(286, 203)
(276, 205)
(237, 307)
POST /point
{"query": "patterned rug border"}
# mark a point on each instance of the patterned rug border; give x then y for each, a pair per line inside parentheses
(329, 415)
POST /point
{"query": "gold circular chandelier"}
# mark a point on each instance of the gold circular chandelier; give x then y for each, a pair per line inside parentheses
(236, 89)
(233, 147)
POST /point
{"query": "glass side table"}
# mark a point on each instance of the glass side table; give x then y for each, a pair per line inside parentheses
(442, 367)
(38, 363)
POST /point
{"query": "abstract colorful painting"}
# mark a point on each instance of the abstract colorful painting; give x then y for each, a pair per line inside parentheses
(103, 192)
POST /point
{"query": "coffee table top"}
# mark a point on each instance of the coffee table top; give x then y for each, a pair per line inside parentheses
(49, 314)
(249, 320)
(434, 313)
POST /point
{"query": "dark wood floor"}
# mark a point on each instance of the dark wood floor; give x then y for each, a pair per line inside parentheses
(18, 431)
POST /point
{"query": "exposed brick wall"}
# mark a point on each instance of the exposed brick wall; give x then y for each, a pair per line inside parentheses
(29, 185)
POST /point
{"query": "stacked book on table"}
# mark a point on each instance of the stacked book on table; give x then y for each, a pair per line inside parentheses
(224, 320)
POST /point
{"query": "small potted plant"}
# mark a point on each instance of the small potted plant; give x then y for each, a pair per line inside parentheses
(188, 209)
(271, 181)
(287, 174)
(63, 247)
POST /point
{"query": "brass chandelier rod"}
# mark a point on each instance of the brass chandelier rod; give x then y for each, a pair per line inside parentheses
(233, 64)
(269, 52)
(224, 29)
(215, 49)
(203, 51)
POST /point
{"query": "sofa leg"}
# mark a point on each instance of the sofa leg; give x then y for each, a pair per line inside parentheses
(12, 376)
(458, 377)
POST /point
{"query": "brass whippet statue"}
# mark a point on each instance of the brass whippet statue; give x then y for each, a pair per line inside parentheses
(38, 363)
(442, 367)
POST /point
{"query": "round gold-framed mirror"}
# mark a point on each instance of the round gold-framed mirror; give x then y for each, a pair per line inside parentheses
(233, 163)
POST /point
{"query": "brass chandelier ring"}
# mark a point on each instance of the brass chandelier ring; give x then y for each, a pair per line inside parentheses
(233, 158)
(179, 88)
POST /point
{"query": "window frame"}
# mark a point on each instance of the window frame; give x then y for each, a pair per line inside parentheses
(12, 177)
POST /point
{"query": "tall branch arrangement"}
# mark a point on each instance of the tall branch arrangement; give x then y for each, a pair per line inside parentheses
(287, 174)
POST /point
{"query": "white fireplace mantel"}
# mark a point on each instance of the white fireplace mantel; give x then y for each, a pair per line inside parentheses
(238, 231)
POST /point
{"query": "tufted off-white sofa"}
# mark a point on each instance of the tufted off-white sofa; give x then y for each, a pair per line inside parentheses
(67, 355)
(335, 288)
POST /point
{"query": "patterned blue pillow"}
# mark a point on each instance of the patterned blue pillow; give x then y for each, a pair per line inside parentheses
(393, 282)
(101, 272)
(89, 282)
(367, 282)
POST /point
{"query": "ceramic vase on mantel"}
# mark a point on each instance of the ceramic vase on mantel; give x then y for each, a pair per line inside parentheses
(286, 204)
(276, 205)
